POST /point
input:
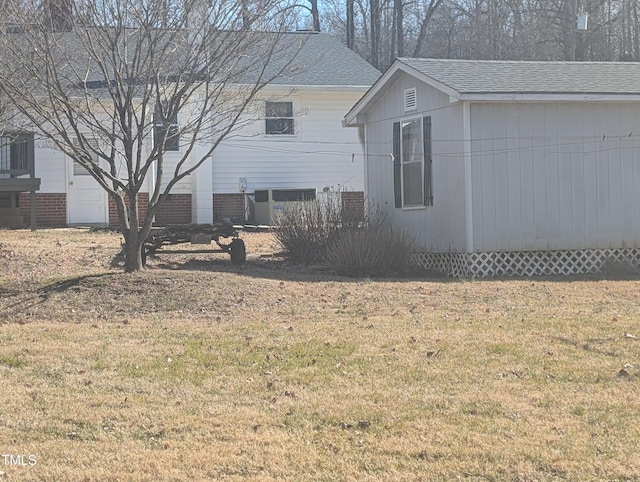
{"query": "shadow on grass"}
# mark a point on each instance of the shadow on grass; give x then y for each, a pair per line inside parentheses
(283, 270)
(280, 268)
(25, 300)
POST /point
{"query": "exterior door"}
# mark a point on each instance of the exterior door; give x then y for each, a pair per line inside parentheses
(87, 201)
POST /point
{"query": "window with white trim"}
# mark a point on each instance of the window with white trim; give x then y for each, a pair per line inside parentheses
(412, 177)
(279, 118)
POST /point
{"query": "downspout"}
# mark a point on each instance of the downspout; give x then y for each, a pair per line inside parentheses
(362, 137)
(468, 188)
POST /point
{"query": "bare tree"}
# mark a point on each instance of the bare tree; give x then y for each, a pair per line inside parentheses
(128, 80)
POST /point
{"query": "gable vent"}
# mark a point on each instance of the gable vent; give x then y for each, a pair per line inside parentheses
(410, 99)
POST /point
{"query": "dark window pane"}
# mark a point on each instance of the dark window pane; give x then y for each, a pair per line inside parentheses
(279, 109)
(412, 183)
(279, 126)
(262, 196)
(172, 141)
(293, 194)
(412, 141)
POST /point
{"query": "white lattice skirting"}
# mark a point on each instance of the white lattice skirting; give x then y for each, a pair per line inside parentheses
(525, 263)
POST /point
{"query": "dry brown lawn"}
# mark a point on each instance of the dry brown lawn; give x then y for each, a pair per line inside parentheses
(194, 370)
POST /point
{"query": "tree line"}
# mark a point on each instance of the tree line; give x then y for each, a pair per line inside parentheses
(381, 30)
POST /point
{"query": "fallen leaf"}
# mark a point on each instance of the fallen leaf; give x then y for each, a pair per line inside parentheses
(629, 335)
(364, 424)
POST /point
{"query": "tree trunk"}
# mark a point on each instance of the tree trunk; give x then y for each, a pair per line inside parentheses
(315, 15)
(398, 36)
(130, 228)
(375, 32)
(431, 9)
(351, 32)
(133, 252)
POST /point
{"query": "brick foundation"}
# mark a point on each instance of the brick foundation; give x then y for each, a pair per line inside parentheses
(51, 209)
(143, 201)
(175, 210)
(228, 206)
(352, 205)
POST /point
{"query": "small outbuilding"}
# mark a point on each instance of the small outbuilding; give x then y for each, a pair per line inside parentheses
(506, 167)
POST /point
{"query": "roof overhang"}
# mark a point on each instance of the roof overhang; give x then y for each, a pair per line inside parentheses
(317, 88)
(547, 97)
(357, 115)
(398, 68)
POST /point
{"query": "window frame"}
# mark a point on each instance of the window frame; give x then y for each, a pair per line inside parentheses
(290, 129)
(17, 153)
(403, 161)
(171, 138)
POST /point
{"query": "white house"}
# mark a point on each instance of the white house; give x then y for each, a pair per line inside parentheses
(297, 143)
(506, 168)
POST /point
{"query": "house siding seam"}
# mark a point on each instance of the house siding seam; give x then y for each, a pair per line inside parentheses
(51, 209)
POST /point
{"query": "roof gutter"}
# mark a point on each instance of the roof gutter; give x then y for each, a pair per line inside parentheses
(548, 97)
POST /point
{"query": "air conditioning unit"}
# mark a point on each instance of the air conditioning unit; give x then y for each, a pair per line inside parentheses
(269, 203)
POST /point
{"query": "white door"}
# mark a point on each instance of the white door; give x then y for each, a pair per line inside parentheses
(87, 201)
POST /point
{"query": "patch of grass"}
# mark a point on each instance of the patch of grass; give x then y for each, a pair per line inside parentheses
(274, 372)
(11, 361)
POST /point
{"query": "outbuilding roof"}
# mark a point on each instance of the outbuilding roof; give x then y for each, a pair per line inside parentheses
(531, 77)
(506, 81)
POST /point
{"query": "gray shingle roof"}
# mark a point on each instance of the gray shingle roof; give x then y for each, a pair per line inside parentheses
(531, 77)
(324, 61)
(305, 58)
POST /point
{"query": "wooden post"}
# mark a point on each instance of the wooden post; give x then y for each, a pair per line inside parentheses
(32, 194)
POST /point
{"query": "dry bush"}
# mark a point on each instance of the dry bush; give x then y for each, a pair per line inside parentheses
(370, 249)
(305, 229)
(320, 231)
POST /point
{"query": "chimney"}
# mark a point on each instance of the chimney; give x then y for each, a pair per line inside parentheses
(59, 15)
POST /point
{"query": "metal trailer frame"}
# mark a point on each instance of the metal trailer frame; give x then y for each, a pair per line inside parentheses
(202, 234)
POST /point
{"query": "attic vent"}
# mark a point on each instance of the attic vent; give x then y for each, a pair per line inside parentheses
(410, 101)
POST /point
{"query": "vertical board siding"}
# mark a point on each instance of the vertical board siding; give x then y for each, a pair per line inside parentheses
(441, 227)
(555, 176)
(547, 175)
(513, 230)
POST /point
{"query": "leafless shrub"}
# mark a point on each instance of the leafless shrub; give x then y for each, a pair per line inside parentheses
(305, 229)
(320, 232)
(370, 249)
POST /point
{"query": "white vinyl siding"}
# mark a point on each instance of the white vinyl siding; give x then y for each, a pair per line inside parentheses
(321, 154)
